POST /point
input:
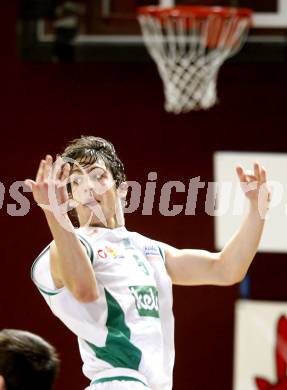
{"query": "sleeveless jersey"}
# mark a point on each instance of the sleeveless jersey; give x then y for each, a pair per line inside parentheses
(131, 324)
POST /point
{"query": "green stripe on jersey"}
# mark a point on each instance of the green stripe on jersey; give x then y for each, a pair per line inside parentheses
(161, 253)
(50, 293)
(119, 350)
(117, 378)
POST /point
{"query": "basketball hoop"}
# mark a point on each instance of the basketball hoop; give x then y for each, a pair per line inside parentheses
(189, 44)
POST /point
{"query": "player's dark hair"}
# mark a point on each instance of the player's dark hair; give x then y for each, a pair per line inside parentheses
(88, 149)
(27, 361)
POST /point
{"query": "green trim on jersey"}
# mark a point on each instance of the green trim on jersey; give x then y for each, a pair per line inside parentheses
(51, 292)
(118, 351)
(161, 253)
(117, 378)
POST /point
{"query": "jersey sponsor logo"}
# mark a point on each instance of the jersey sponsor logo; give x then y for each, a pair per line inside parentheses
(151, 250)
(102, 254)
(109, 252)
(146, 298)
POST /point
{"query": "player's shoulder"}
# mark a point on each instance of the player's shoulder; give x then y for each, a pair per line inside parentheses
(41, 273)
(139, 237)
(151, 247)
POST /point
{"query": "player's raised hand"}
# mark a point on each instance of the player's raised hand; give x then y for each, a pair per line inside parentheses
(255, 187)
(49, 188)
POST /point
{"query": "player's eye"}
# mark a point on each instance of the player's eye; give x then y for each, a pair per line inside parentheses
(76, 180)
(96, 175)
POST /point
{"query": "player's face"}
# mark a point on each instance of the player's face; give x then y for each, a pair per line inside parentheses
(94, 189)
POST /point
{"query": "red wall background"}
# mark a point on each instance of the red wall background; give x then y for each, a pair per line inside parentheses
(45, 105)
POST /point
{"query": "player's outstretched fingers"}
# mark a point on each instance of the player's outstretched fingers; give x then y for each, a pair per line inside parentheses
(63, 192)
(48, 166)
(240, 173)
(263, 175)
(65, 172)
(245, 177)
(56, 169)
(30, 183)
(61, 169)
(257, 171)
(40, 172)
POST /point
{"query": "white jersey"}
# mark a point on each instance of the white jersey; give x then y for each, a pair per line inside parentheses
(130, 327)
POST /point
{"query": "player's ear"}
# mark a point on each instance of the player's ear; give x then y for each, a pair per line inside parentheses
(122, 191)
(2, 383)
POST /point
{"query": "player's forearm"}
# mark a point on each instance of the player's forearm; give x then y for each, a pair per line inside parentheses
(74, 266)
(239, 252)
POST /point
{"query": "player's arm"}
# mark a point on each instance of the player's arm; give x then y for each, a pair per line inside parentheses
(69, 261)
(196, 267)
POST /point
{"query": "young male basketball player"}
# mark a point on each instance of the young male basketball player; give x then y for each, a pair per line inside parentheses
(113, 287)
(26, 361)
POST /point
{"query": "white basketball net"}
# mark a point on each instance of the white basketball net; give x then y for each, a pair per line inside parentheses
(188, 59)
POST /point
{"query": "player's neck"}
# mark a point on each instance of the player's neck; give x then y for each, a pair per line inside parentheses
(112, 223)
